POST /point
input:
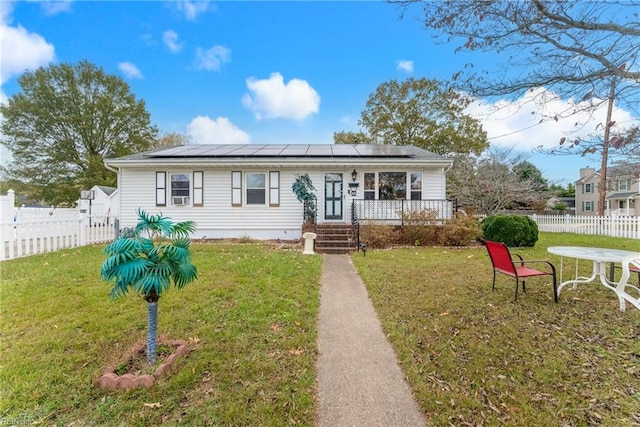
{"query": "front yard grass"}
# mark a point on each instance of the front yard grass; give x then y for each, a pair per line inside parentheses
(476, 357)
(250, 319)
(472, 356)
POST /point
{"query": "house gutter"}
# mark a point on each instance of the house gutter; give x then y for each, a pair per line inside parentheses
(112, 169)
(217, 163)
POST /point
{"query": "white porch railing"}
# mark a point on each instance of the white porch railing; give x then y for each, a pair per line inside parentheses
(28, 237)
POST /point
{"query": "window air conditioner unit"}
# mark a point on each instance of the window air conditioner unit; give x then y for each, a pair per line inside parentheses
(180, 201)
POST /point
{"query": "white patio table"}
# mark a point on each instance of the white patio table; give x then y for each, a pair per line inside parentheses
(600, 258)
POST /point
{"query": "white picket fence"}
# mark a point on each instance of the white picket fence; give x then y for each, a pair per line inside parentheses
(31, 234)
(615, 226)
(26, 235)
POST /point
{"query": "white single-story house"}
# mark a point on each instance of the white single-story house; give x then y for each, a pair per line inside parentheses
(234, 191)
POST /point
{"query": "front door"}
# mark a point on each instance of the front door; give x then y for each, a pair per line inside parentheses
(333, 196)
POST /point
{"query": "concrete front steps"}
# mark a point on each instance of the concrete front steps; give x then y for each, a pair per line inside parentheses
(335, 239)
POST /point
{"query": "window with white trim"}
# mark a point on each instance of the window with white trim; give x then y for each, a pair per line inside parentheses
(236, 188)
(392, 185)
(416, 185)
(255, 183)
(274, 188)
(161, 189)
(623, 184)
(587, 188)
(180, 189)
(369, 186)
(587, 206)
(198, 188)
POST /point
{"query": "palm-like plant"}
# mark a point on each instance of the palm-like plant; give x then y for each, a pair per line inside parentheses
(147, 259)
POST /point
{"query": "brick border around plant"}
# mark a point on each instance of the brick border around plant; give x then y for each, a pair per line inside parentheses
(112, 381)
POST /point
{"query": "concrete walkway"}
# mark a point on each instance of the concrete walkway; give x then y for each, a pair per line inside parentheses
(359, 380)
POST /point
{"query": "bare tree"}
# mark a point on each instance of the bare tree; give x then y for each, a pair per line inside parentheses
(496, 180)
(586, 51)
(172, 139)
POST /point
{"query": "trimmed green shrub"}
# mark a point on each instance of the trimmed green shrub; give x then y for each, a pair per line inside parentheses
(515, 231)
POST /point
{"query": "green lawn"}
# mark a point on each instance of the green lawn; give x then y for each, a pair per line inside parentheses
(473, 356)
(476, 357)
(250, 317)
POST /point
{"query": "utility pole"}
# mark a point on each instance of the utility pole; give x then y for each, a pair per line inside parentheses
(602, 191)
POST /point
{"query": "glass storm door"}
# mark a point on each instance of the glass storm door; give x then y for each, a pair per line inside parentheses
(333, 196)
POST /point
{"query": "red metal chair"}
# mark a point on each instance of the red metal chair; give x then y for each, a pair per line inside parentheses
(503, 263)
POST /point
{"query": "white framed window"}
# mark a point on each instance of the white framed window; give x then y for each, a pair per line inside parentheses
(587, 188)
(161, 189)
(198, 188)
(416, 185)
(623, 184)
(274, 189)
(369, 186)
(236, 188)
(255, 188)
(587, 206)
(392, 185)
(180, 188)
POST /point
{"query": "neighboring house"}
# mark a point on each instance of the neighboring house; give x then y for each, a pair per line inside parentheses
(568, 202)
(102, 200)
(245, 190)
(623, 191)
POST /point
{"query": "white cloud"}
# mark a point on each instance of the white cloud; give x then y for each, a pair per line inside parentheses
(191, 9)
(130, 70)
(405, 65)
(21, 50)
(211, 59)
(271, 98)
(204, 130)
(518, 124)
(53, 7)
(170, 39)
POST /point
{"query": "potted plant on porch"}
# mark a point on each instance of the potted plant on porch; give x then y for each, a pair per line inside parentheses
(147, 259)
(304, 190)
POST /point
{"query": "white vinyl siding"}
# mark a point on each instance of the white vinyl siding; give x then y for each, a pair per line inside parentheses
(219, 217)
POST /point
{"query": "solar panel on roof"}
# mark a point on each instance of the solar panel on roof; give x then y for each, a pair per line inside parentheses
(295, 150)
(270, 150)
(245, 150)
(344, 150)
(319, 150)
(174, 151)
(290, 150)
(214, 150)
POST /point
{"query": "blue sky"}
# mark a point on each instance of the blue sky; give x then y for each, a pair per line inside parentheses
(256, 72)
